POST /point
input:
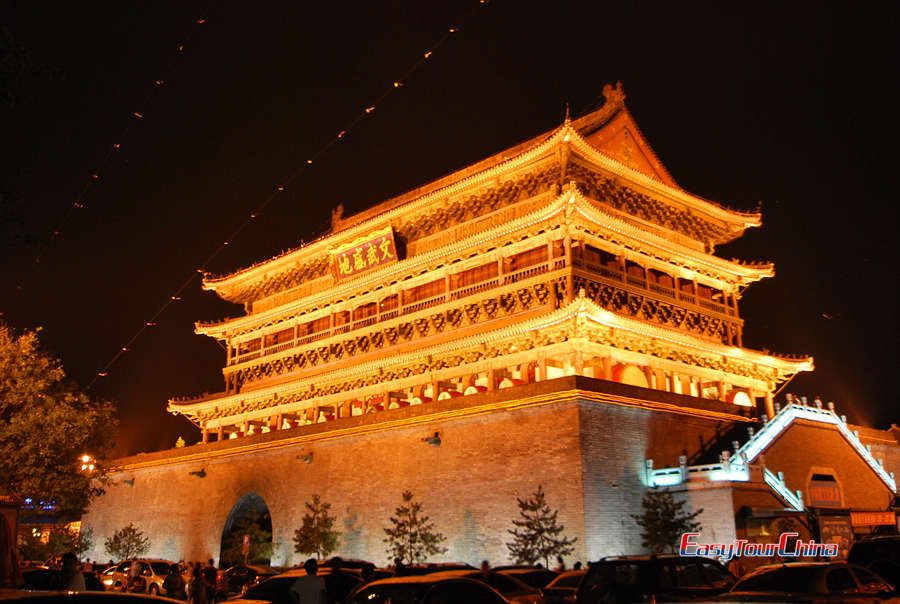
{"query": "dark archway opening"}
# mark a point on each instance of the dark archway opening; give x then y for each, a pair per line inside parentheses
(247, 536)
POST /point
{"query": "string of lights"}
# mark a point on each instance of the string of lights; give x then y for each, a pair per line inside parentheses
(367, 111)
(142, 108)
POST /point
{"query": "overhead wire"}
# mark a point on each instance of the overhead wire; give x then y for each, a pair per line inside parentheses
(368, 110)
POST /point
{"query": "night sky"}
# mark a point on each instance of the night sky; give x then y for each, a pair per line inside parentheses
(796, 110)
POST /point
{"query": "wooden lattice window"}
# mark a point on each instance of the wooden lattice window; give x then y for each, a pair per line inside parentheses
(526, 259)
(285, 335)
(390, 303)
(661, 278)
(365, 310)
(249, 346)
(320, 324)
(475, 275)
(424, 291)
(600, 257)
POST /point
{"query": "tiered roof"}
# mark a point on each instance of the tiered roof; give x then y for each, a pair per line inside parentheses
(604, 153)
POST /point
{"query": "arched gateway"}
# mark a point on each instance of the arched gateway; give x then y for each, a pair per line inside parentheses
(247, 533)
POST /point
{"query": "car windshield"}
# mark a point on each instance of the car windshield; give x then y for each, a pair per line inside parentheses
(160, 568)
(785, 578)
(566, 581)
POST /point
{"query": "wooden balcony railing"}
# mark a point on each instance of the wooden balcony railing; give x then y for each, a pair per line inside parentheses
(605, 272)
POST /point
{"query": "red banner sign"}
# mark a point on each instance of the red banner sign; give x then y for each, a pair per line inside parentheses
(371, 251)
(824, 494)
(872, 518)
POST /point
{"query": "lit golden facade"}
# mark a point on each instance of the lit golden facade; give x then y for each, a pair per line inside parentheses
(572, 253)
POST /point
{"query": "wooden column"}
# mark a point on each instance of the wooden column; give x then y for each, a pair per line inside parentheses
(542, 368)
(570, 284)
(220, 433)
(607, 367)
(721, 387)
(770, 402)
(578, 362)
(204, 434)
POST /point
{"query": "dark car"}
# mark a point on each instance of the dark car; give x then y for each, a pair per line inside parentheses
(563, 588)
(809, 581)
(434, 567)
(880, 555)
(51, 578)
(426, 589)
(80, 597)
(277, 589)
(510, 588)
(529, 575)
(233, 580)
(665, 578)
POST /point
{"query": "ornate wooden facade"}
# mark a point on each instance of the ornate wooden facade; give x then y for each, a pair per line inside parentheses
(574, 253)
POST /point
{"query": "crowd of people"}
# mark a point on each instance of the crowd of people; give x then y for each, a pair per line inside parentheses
(197, 582)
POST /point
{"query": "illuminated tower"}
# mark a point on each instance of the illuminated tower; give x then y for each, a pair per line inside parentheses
(574, 253)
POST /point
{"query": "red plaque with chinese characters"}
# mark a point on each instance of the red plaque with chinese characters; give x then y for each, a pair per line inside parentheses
(371, 251)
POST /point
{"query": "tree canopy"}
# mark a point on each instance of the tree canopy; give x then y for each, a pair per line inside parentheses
(537, 536)
(46, 425)
(127, 542)
(663, 520)
(316, 535)
(411, 536)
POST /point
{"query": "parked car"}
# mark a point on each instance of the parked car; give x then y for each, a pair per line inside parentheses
(152, 574)
(80, 597)
(426, 589)
(435, 567)
(108, 578)
(277, 589)
(880, 555)
(510, 588)
(236, 579)
(564, 588)
(530, 575)
(665, 578)
(51, 579)
(809, 581)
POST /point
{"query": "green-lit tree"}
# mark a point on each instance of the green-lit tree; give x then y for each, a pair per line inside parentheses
(259, 528)
(317, 535)
(411, 536)
(537, 536)
(127, 542)
(46, 425)
(663, 520)
(59, 541)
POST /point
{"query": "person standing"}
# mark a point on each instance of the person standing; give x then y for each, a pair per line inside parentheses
(173, 584)
(72, 578)
(309, 589)
(198, 592)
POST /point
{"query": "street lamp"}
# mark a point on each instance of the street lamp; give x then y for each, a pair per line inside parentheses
(87, 463)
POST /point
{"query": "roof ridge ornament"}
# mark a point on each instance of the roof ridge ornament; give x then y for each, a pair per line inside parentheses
(614, 95)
